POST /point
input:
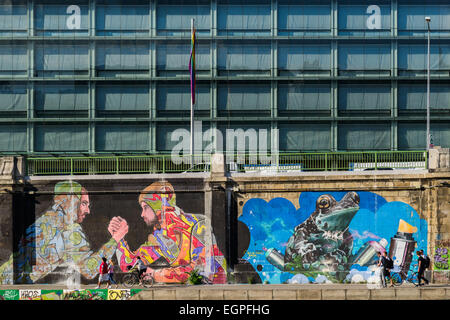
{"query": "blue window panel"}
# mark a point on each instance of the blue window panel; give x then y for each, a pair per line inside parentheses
(244, 19)
(244, 137)
(13, 138)
(176, 97)
(300, 137)
(13, 59)
(354, 20)
(412, 136)
(413, 96)
(300, 20)
(62, 57)
(123, 56)
(364, 136)
(300, 58)
(244, 58)
(61, 97)
(367, 58)
(177, 136)
(113, 20)
(122, 97)
(176, 19)
(13, 19)
(55, 20)
(13, 97)
(122, 138)
(304, 97)
(364, 97)
(174, 58)
(414, 57)
(411, 19)
(236, 97)
(60, 138)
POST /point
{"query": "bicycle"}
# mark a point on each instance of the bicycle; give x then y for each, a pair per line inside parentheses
(398, 278)
(132, 278)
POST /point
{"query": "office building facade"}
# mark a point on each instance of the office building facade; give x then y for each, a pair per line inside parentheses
(111, 77)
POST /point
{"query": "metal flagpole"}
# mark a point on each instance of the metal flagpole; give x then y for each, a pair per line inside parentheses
(192, 102)
(428, 19)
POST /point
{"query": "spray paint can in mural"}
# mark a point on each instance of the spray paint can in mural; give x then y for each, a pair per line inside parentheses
(402, 246)
(275, 258)
(368, 253)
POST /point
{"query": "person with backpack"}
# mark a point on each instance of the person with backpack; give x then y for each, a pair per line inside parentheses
(103, 274)
(424, 263)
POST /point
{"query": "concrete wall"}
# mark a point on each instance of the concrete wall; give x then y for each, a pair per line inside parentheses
(244, 228)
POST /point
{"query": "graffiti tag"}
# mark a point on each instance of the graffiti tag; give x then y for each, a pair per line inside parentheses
(441, 258)
(29, 294)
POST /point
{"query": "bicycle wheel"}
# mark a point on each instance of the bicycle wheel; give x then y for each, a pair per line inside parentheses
(129, 280)
(147, 281)
(396, 279)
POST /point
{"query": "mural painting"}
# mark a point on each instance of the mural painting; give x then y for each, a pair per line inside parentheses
(332, 237)
(86, 294)
(172, 242)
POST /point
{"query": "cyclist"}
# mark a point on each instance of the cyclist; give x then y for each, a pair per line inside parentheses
(141, 267)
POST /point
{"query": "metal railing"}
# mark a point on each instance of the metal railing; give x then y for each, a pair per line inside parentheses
(283, 162)
(329, 161)
(145, 164)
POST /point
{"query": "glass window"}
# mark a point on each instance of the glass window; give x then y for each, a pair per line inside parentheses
(60, 99)
(112, 99)
(13, 98)
(173, 59)
(304, 97)
(248, 137)
(364, 97)
(370, 19)
(13, 59)
(172, 137)
(364, 59)
(123, 58)
(244, 98)
(300, 137)
(412, 136)
(130, 19)
(413, 96)
(411, 19)
(61, 138)
(61, 58)
(175, 19)
(302, 19)
(13, 138)
(244, 18)
(296, 59)
(13, 19)
(175, 99)
(367, 136)
(122, 137)
(244, 58)
(60, 20)
(412, 59)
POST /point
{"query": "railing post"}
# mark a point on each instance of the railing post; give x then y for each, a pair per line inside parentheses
(326, 161)
(376, 161)
(164, 164)
(117, 165)
(71, 166)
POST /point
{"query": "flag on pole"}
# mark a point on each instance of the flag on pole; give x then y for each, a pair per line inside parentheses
(192, 66)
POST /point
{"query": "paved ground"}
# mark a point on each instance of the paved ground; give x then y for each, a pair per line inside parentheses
(276, 292)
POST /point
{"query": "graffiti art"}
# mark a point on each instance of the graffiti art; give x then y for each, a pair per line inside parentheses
(332, 237)
(59, 242)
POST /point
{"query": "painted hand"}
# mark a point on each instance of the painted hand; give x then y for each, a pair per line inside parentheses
(118, 228)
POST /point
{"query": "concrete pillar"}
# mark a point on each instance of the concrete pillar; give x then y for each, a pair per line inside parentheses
(439, 159)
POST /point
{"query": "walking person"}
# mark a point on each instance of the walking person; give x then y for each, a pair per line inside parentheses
(380, 270)
(423, 264)
(388, 264)
(103, 274)
(111, 273)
